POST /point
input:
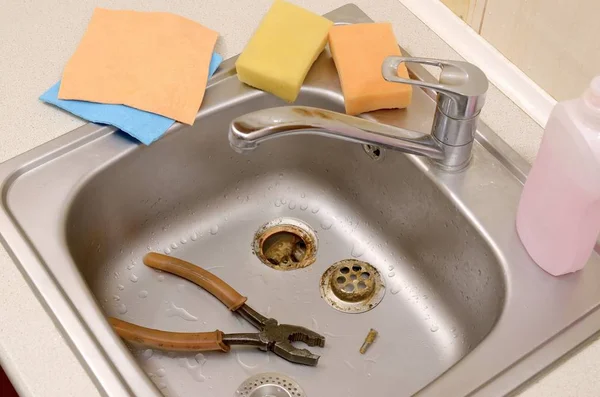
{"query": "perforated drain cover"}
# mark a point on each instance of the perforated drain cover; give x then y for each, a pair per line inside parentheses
(352, 286)
(269, 384)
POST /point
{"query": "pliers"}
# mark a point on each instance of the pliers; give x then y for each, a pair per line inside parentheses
(272, 336)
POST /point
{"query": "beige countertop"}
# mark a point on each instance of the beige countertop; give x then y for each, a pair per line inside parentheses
(37, 38)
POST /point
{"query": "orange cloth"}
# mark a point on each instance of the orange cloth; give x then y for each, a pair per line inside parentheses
(358, 51)
(153, 61)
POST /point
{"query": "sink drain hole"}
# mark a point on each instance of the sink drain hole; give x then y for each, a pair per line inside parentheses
(286, 244)
(284, 249)
(270, 385)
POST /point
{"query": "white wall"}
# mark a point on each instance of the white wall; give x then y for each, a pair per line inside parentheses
(556, 43)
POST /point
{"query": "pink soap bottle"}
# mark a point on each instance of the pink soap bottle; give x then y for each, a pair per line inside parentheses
(558, 219)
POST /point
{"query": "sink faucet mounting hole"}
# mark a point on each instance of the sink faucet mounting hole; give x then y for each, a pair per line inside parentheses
(374, 152)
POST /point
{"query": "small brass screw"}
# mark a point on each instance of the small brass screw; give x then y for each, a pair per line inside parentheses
(368, 340)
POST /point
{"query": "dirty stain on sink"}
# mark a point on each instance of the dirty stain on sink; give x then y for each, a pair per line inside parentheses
(445, 288)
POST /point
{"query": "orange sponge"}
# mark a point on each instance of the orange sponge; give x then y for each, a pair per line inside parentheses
(358, 51)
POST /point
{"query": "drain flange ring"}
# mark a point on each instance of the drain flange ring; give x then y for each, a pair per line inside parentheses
(286, 244)
(269, 384)
(352, 286)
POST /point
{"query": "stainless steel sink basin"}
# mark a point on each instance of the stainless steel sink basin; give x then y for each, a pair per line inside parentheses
(465, 312)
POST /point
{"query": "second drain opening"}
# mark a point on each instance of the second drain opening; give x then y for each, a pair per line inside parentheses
(286, 244)
(284, 248)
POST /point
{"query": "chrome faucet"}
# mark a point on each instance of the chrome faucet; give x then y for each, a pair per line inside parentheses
(460, 96)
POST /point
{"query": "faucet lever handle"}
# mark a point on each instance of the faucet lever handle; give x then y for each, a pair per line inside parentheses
(461, 88)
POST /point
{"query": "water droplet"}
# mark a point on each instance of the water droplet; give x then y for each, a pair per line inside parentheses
(161, 385)
(121, 287)
(357, 250)
(391, 274)
(161, 372)
(214, 229)
(175, 311)
(194, 236)
(326, 224)
(252, 368)
(331, 335)
(200, 358)
(303, 206)
(116, 274)
(277, 203)
(434, 328)
(121, 308)
(146, 354)
(183, 240)
(133, 278)
(143, 293)
(174, 246)
(161, 278)
(193, 368)
(303, 195)
(292, 204)
(167, 251)
(372, 359)
(395, 290)
(131, 266)
(391, 268)
(116, 298)
(283, 201)
(315, 210)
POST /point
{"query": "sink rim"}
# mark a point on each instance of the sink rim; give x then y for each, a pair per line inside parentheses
(39, 276)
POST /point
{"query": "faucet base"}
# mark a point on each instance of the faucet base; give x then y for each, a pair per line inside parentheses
(456, 158)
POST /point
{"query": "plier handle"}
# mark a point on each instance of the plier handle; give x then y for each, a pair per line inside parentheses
(271, 336)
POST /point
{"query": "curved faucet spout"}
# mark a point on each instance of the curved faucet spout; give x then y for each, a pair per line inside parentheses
(250, 130)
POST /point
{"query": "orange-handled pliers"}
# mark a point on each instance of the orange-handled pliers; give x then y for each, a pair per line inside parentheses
(271, 336)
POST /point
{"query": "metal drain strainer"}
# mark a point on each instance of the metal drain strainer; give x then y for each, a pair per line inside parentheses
(269, 384)
(352, 286)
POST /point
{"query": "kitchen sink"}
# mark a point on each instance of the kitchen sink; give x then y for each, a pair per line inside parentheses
(465, 311)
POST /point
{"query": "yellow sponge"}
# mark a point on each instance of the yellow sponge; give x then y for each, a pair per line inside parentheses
(358, 52)
(282, 50)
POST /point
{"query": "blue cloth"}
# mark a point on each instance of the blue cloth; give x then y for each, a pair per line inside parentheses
(144, 126)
